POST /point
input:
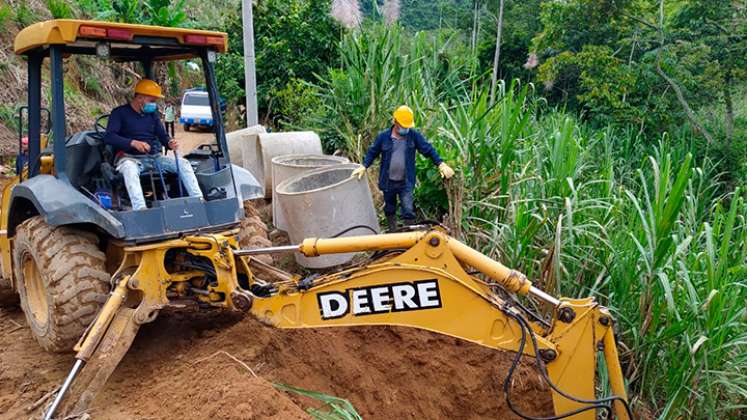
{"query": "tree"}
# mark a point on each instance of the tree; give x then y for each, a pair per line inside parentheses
(497, 56)
(294, 39)
(567, 29)
(149, 12)
(675, 86)
(719, 30)
(418, 15)
(520, 24)
(671, 61)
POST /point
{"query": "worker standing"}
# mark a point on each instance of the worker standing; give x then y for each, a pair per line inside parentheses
(169, 115)
(397, 146)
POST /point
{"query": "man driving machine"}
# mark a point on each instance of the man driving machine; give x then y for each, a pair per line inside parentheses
(138, 135)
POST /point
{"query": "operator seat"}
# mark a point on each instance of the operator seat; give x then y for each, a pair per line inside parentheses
(83, 158)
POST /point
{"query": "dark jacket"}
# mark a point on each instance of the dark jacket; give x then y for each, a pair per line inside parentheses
(126, 124)
(383, 146)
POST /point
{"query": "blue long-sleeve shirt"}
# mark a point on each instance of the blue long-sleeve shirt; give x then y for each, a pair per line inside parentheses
(383, 145)
(126, 124)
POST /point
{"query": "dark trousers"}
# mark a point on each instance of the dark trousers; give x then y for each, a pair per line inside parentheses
(397, 189)
(170, 128)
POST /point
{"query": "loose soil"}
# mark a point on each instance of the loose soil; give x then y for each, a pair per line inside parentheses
(221, 365)
(180, 366)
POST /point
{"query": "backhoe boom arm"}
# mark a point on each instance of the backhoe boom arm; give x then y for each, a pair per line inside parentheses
(427, 287)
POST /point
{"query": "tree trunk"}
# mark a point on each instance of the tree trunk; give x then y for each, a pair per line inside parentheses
(477, 33)
(497, 56)
(729, 117)
(475, 19)
(677, 90)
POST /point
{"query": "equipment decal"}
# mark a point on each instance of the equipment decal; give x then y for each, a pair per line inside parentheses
(395, 297)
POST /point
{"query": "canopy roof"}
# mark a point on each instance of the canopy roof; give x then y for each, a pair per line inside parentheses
(128, 41)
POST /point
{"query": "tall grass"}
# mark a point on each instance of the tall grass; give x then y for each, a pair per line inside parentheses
(334, 408)
(381, 69)
(635, 222)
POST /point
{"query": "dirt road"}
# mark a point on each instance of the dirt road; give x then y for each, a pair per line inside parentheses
(188, 140)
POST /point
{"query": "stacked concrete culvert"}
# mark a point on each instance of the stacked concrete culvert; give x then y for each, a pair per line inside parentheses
(271, 145)
(288, 166)
(324, 202)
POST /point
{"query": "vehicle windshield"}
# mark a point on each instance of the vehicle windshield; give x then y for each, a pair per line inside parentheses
(196, 100)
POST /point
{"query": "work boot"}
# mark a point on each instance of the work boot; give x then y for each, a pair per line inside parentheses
(409, 222)
(391, 219)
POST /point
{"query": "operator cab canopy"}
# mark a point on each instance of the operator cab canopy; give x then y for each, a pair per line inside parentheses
(125, 41)
(75, 159)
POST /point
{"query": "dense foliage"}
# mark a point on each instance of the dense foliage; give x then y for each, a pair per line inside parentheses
(294, 40)
(641, 221)
(647, 64)
(149, 12)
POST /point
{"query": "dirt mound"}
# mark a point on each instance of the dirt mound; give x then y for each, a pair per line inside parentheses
(216, 386)
(196, 365)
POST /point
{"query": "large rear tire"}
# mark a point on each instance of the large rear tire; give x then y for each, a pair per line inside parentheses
(62, 281)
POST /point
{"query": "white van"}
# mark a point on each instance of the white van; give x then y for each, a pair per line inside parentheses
(195, 110)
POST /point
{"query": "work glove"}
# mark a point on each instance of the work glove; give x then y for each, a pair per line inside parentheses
(445, 170)
(359, 172)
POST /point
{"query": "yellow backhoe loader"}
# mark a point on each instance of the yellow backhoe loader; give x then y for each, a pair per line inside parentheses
(94, 272)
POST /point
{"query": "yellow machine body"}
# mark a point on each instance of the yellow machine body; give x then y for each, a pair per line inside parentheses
(46, 167)
(423, 285)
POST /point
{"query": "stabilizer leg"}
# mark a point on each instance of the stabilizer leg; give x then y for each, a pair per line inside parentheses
(96, 372)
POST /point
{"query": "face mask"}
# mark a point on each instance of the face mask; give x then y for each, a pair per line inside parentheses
(150, 107)
(403, 131)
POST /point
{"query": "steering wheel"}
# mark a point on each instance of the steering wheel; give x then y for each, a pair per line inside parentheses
(99, 126)
(212, 147)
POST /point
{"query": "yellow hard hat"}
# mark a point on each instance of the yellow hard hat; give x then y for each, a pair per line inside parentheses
(404, 117)
(149, 88)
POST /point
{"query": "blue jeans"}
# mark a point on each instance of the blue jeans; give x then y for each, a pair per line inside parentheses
(131, 166)
(406, 201)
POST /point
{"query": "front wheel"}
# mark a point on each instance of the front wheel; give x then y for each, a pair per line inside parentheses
(186, 127)
(62, 281)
